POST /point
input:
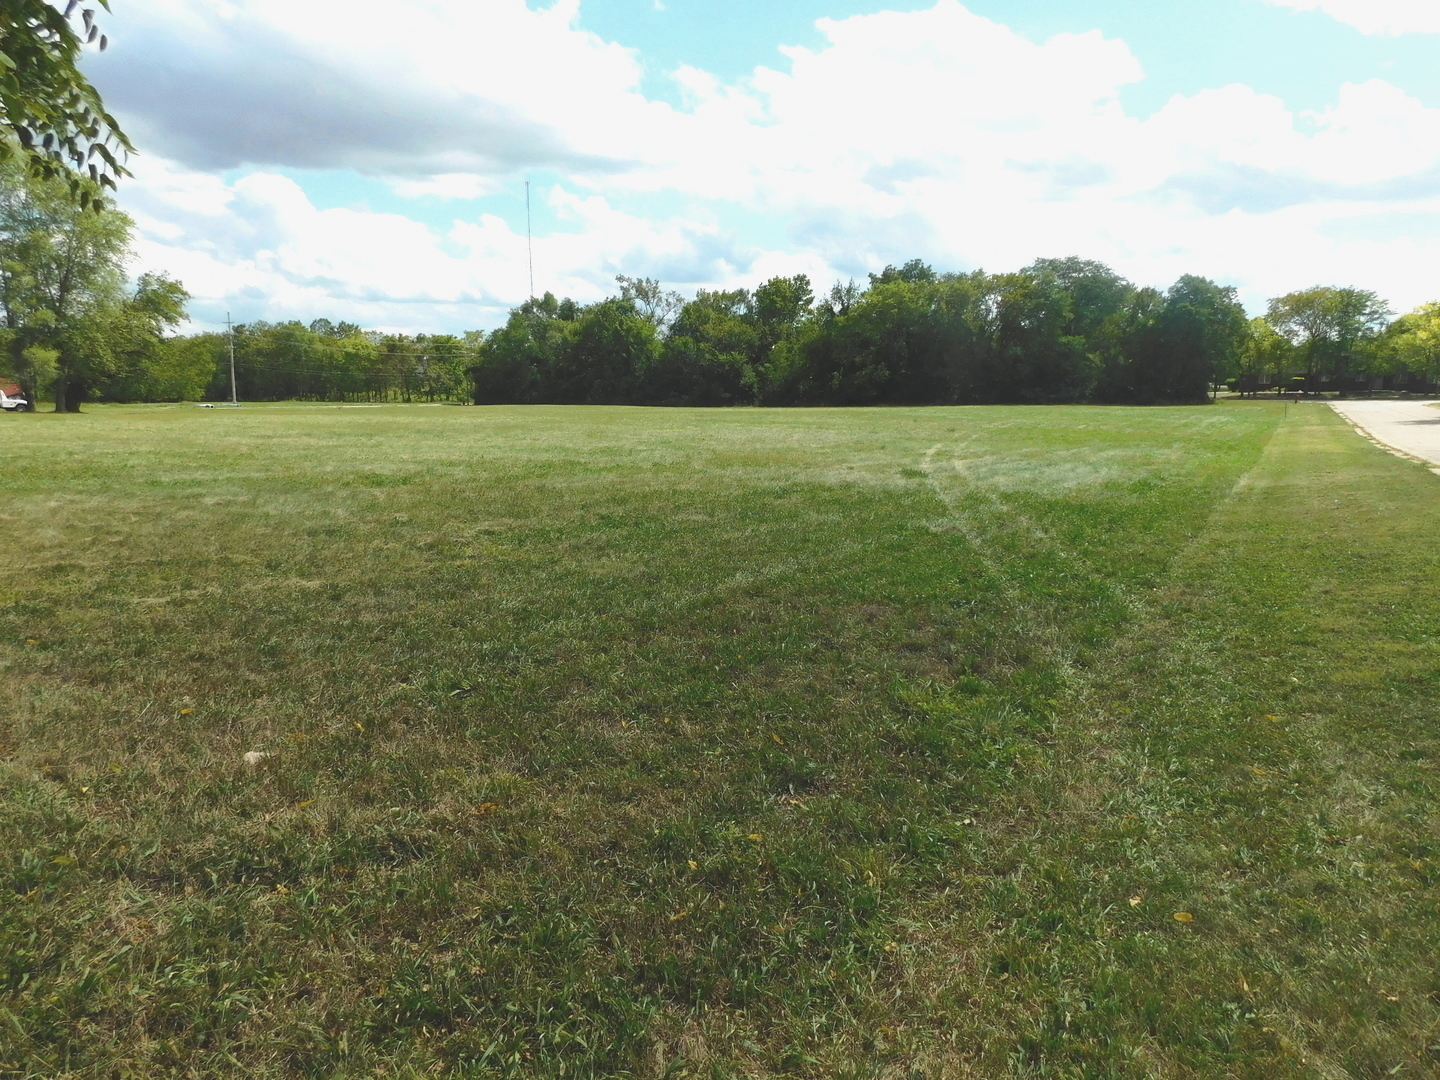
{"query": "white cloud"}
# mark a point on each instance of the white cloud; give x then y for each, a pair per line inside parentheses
(943, 134)
(447, 186)
(933, 133)
(260, 248)
(398, 87)
(1392, 17)
(1374, 133)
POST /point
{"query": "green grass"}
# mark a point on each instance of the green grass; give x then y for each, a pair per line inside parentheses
(824, 743)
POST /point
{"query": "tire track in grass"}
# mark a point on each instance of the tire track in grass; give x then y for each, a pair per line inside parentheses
(1040, 827)
(983, 532)
(1216, 771)
(985, 550)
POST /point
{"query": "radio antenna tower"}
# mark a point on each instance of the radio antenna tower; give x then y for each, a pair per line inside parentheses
(529, 246)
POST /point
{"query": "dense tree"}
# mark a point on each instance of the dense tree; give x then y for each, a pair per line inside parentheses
(643, 346)
(1263, 356)
(327, 361)
(608, 356)
(1122, 352)
(326, 329)
(516, 361)
(1412, 343)
(888, 347)
(1060, 330)
(913, 336)
(709, 356)
(1330, 327)
(179, 369)
(62, 286)
(1034, 354)
(914, 272)
(1098, 297)
(1195, 336)
(777, 309)
(560, 352)
(146, 365)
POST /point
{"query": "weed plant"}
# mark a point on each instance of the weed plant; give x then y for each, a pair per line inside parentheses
(605, 742)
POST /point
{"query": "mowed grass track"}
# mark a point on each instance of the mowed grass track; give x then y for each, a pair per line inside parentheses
(606, 742)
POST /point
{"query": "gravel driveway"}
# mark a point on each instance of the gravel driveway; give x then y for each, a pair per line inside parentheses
(1412, 427)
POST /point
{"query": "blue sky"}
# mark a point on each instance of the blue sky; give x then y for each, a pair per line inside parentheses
(1184, 45)
(372, 168)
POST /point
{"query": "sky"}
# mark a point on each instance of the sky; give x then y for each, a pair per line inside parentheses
(369, 161)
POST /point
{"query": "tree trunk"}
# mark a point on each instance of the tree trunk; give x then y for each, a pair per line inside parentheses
(67, 397)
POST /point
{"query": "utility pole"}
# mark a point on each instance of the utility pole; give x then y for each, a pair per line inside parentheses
(529, 247)
(230, 329)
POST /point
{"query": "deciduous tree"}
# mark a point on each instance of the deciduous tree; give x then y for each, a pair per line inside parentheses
(1412, 343)
(1198, 332)
(146, 367)
(1263, 356)
(62, 280)
(1329, 326)
(57, 123)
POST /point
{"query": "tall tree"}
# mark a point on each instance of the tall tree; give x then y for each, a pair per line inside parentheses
(1412, 343)
(912, 337)
(777, 309)
(516, 362)
(1329, 326)
(1263, 356)
(146, 366)
(1098, 295)
(1034, 358)
(914, 272)
(707, 358)
(1100, 314)
(66, 279)
(654, 303)
(1197, 333)
(608, 357)
(1131, 346)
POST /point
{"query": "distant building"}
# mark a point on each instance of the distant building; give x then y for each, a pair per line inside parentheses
(1281, 382)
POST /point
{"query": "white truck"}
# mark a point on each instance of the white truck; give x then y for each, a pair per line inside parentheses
(11, 404)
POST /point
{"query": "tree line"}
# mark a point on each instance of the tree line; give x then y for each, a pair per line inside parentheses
(1060, 330)
(1342, 340)
(330, 361)
(72, 325)
(73, 328)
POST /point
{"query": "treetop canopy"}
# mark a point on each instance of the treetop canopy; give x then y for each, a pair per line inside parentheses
(54, 116)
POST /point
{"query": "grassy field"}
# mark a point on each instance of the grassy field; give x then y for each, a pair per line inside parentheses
(1061, 742)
